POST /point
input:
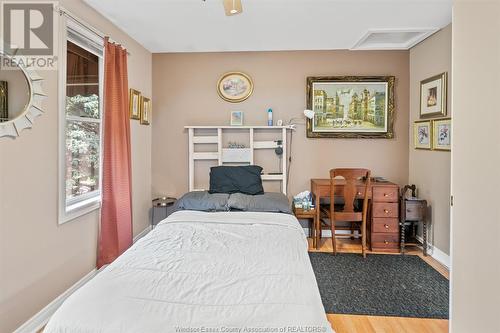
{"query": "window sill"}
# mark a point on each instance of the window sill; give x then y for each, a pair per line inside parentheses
(79, 209)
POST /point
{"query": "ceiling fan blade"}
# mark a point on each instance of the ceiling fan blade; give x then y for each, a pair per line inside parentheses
(232, 7)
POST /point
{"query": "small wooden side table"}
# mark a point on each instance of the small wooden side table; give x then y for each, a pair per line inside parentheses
(413, 212)
(309, 215)
(161, 202)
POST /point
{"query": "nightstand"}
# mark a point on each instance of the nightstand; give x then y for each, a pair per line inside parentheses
(309, 215)
(413, 212)
(165, 203)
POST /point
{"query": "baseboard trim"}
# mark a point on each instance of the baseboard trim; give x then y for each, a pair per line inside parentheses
(440, 256)
(39, 320)
(142, 233)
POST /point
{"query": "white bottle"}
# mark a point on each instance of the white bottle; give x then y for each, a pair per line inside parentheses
(270, 117)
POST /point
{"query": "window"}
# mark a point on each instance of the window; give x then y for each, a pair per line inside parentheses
(80, 122)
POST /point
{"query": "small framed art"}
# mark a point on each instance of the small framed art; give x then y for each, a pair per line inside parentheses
(236, 118)
(145, 111)
(422, 134)
(235, 87)
(433, 96)
(135, 104)
(4, 101)
(441, 134)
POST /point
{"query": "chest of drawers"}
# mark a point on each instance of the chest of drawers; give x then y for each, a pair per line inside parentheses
(383, 217)
(384, 228)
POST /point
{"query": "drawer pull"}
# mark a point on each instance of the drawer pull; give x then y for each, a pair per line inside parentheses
(386, 226)
(359, 193)
(386, 211)
(386, 195)
(386, 242)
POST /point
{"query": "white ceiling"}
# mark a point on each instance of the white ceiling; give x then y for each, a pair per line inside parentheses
(265, 25)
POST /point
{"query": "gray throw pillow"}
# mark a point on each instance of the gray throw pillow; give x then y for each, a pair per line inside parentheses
(203, 201)
(267, 202)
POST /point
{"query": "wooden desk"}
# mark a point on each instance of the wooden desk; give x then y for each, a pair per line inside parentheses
(383, 211)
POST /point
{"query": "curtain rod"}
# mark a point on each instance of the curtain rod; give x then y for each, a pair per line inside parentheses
(64, 11)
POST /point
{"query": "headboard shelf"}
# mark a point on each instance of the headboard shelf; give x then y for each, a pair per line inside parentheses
(205, 139)
(206, 156)
(236, 156)
(240, 127)
(272, 176)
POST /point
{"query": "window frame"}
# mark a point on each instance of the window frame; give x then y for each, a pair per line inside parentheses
(70, 209)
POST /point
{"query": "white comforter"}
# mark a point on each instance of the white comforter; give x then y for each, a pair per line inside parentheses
(204, 272)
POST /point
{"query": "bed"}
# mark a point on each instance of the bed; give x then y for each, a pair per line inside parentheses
(204, 272)
(231, 259)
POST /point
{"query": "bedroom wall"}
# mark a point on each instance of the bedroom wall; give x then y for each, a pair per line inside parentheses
(40, 259)
(430, 170)
(475, 161)
(184, 90)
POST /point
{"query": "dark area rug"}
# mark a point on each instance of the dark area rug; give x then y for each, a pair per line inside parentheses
(380, 285)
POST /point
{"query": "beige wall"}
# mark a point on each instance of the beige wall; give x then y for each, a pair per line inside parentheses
(475, 161)
(430, 170)
(184, 90)
(40, 259)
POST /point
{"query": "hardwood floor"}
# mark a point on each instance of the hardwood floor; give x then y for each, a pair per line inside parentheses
(378, 324)
(371, 324)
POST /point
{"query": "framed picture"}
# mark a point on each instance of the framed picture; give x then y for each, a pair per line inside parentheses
(135, 104)
(441, 134)
(351, 106)
(236, 118)
(433, 96)
(422, 134)
(235, 87)
(145, 111)
(4, 101)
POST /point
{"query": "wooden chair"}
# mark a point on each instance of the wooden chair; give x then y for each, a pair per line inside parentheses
(348, 212)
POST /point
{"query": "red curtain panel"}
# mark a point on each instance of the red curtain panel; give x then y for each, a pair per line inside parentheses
(115, 234)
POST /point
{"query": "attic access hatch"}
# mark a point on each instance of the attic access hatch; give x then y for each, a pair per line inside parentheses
(391, 39)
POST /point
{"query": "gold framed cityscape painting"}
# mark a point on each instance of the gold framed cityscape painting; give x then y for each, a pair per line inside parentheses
(422, 134)
(135, 104)
(441, 134)
(145, 111)
(351, 106)
(433, 96)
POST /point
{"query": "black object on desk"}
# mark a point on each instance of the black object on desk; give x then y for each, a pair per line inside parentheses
(413, 211)
(166, 203)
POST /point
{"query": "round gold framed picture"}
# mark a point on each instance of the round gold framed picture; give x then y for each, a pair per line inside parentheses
(235, 87)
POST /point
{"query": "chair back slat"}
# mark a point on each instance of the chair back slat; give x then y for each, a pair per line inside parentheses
(350, 190)
(347, 216)
(351, 177)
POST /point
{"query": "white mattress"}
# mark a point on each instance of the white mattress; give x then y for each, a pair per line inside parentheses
(199, 272)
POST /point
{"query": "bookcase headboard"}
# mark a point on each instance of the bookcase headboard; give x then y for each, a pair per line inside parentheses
(213, 136)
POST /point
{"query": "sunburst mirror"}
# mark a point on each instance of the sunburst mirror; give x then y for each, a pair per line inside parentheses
(21, 96)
